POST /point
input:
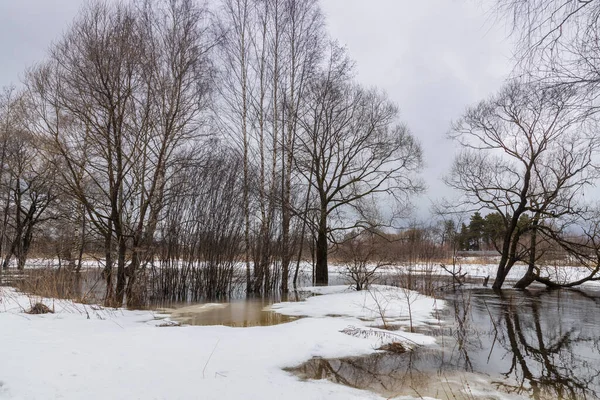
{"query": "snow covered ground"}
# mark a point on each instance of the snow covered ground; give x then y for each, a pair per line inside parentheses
(375, 305)
(87, 352)
(559, 274)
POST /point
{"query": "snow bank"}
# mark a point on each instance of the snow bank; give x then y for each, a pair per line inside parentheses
(381, 305)
(82, 351)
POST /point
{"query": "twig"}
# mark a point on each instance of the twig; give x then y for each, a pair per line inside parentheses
(209, 357)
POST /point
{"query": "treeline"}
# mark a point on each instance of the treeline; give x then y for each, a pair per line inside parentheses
(488, 233)
(481, 234)
(174, 141)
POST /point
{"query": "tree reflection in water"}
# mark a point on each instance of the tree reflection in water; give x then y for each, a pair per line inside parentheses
(535, 344)
(554, 355)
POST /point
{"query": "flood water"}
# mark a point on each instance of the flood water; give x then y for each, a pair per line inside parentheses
(235, 313)
(535, 344)
(237, 310)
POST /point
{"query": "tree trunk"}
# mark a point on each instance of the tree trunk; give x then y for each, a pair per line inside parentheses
(24, 248)
(21, 260)
(527, 279)
(530, 275)
(285, 248)
(121, 276)
(81, 243)
(501, 272)
(509, 249)
(6, 261)
(133, 268)
(321, 270)
(108, 267)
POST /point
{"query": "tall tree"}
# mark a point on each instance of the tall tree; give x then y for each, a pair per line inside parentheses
(526, 152)
(269, 53)
(351, 152)
(303, 40)
(235, 93)
(476, 225)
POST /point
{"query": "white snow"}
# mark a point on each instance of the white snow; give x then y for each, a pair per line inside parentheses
(558, 273)
(88, 352)
(375, 305)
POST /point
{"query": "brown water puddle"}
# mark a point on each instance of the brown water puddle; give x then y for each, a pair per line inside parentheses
(392, 375)
(242, 313)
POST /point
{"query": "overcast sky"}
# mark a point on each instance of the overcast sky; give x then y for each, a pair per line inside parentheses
(433, 57)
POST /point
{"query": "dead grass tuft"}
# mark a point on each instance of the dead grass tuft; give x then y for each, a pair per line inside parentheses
(40, 308)
(61, 284)
(168, 324)
(394, 347)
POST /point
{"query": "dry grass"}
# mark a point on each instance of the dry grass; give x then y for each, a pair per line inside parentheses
(469, 260)
(394, 347)
(85, 287)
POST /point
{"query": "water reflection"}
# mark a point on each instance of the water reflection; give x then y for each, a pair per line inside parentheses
(552, 344)
(390, 374)
(533, 344)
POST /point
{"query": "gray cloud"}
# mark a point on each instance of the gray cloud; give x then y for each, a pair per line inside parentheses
(434, 58)
(26, 30)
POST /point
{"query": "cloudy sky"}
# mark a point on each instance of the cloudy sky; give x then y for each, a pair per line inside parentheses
(433, 57)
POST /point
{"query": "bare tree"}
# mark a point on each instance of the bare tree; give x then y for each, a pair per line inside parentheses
(120, 94)
(8, 116)
(83, 97)
(200, 238)
(362, 256)
(351, 152)
(176, 71)
(235, 95)
(32, 192)
(557, 40)
(303, 39)
(269, 53)
(27, 181)
(528, 153)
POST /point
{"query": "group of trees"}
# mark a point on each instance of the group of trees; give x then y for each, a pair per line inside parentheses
(318, 149)
(481, 234)
(163, 132)
(529, 154)
(160, 131)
